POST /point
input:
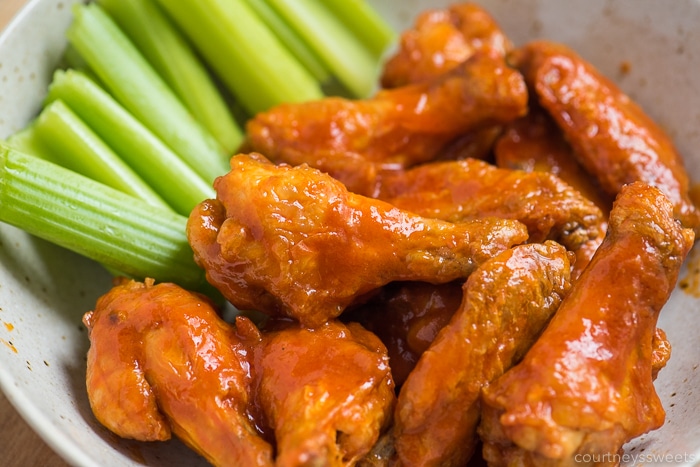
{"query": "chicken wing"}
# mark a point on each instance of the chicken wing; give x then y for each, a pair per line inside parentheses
(506, 303)
(327, 392)
(407, 316)
(585, 386)
(355, 141)
(535, 143)
(470, 189)
(611, 135)
(440, 40)
(161, 360)
(294, 241)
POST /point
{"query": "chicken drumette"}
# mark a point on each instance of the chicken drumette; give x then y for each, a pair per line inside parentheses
(470, 189)
(585, 386)
(294, 241)
(356, 141)
(440, 40)
(506, 303)
(612, 136)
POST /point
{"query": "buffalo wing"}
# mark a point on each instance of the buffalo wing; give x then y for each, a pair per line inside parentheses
(161, 360)
(506, 303)
(585, 386)
(327, 393)
(294, 241)
(356, 141)
(613, 138)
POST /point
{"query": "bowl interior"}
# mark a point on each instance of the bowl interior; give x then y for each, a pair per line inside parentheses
(648, 47)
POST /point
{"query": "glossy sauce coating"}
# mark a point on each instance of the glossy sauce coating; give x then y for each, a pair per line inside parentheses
(470, 189)
(613, 138)
(293, 241)
(407, 316)
(328, 392)
(439, 41)
(534, 143)
(355, 141)
(161, 360)
(506, 303)
(586, 385)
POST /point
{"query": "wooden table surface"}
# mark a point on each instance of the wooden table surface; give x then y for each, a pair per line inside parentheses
(19, 445)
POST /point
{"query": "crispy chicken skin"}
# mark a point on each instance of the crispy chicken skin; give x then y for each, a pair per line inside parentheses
(294, 241)
(407, 316)
(611, 135)
(469, 189)
(534, 143)
(327, 392)
(161, 360)
(355, 141)
(506, 303)
(439, 41)
(585, 386)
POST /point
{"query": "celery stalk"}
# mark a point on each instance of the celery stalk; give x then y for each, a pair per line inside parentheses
(75, 146)
(119, 231)
(289, 37)
(137, 86)
(173, 58)
(256, 67)
(345, 56)
(365, 23)
(176, 182)
(26, 141)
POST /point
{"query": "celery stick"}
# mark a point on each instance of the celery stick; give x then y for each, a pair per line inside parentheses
(119, 231)
(134, 83)
(291, 39)
(258, 69)
(365, 23)
(173, 58)
(75, 146)
(27, 141)
(346, 57)
(176, 182)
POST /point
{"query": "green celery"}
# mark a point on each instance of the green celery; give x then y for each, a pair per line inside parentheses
(365, 23)
(176, 182)
(345, 56)
(75, 146)
(26, 141)
(249, 59)
(173, 58)
(121, 232)
(137, 86)
(289, 37)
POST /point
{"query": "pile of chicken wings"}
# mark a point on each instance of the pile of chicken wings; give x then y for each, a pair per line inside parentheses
(469, 264)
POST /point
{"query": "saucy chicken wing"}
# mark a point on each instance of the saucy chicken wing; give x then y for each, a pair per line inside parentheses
(161, 360)
(534, 143)
(355, 141)
(407, 316)
(470, 189)
(585, 386)
(506, 303)
(612, 136)
(440, 40)
(294, 241)
(327, 392)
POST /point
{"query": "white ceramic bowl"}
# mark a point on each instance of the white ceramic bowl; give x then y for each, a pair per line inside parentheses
(44, 290)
